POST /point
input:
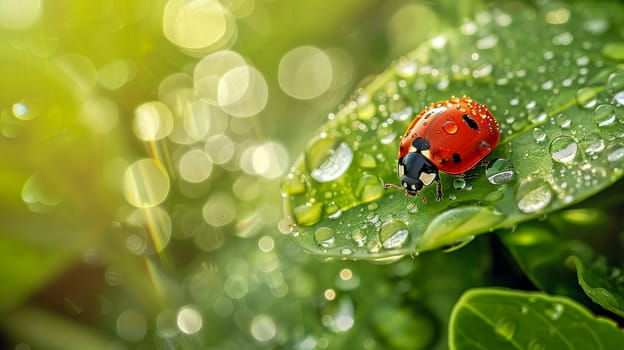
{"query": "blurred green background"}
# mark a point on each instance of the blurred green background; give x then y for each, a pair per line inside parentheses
(141, 147)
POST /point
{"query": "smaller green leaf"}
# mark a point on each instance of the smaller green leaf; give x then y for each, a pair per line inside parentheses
(490, 318)
(604, 284)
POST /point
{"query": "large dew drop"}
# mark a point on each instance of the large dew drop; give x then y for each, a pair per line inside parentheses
(499, 171)
(393, 234)
(563, 149)
(324, 236)
(328, 159)
(533, 196)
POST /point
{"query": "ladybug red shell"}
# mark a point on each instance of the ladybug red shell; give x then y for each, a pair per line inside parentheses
(451, 136)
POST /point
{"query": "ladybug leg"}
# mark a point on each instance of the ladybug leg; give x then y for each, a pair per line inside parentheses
(471, 176)
(438, 188)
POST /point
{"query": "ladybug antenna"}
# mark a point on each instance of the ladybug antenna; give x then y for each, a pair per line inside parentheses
(396, 187)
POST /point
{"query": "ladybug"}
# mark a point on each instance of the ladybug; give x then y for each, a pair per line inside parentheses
(451, 136)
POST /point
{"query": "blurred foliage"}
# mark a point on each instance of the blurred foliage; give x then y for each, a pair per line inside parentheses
(139, 195)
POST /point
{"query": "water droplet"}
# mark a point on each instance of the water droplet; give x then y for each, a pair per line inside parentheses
(359, 237)
(403, 114)
(539, 135)
(459, 183)
(619, 98)
(499, 171)
(563, 149)
(563, 120)
(524, 309)
(555, 311)
(586, 97)
(615, 83)
(505, 328)
(346, 251)
(393, 234)
(593, 144)
(533, 196)
(328, 159)
(604, 115)
(412, 207)
(324, 237)
(615, 153)
(449, 127)
(386, 135)
(537, 117)
(308, 214)
(369, 188)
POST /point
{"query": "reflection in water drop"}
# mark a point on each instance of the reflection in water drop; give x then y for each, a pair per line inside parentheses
(539, 135)
(332, 163)
(308, 214)
(459, 183)
(393, 234)
(324, 236)
(615, 83)
(563, 149)
(499, 171)
(604, 115)
(403, 114)
(189, 320)
(615, 153)
(533, 196)
(369, 188)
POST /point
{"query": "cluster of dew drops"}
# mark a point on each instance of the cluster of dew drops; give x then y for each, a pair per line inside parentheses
(582, 156)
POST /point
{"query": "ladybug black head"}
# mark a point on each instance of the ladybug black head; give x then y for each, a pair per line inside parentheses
(411, 185)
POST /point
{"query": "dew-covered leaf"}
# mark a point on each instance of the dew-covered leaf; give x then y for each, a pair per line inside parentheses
(552, 76)
(504, 319)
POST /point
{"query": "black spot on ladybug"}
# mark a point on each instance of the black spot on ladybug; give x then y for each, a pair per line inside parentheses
(456, 158)
(421, 144)
(471, 122)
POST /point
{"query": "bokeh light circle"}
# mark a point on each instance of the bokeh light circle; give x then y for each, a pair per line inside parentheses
(219, 209)
(195, 166)
(152, 121)
(150, 230)
(242, 92)
(305, 72)
(189, 320)
(209, 71)
(197, 25)
(145, 183)
(131, 325)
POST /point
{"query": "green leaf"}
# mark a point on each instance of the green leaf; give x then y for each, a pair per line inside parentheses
(546, 76)
(603, 283)
(504, 319)
(574, 246)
